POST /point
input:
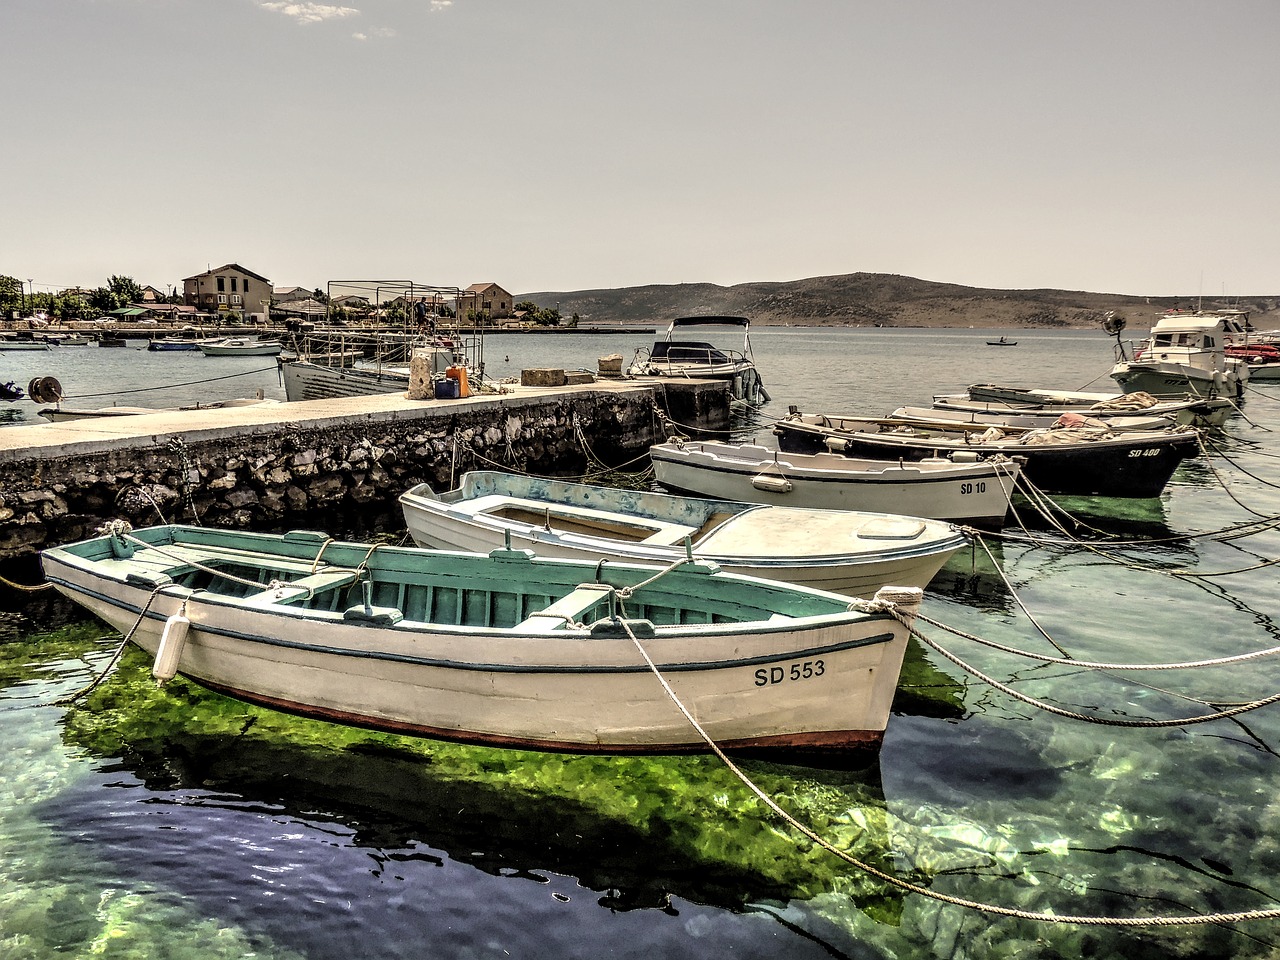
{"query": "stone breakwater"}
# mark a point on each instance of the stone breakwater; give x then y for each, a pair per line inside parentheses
(340, 472)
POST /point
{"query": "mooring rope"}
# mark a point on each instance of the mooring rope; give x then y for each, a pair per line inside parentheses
(26, 587)
(169, 386)
(907, 886)
(115, 657)
(1085, 717)
(1100, 665)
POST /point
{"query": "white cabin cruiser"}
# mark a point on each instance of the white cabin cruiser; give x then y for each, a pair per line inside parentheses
(701, 359)
(1186, 353)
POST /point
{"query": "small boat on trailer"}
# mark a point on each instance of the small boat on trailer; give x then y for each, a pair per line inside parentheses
(1262, 359)
(502, 650)
(846, 552)
(966, 489)
(1082, 461)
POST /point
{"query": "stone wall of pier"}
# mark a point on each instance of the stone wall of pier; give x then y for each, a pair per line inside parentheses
(343, 479)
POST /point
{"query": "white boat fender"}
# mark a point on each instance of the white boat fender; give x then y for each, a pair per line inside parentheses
(772, 483)
(836, 444)
(172, 641)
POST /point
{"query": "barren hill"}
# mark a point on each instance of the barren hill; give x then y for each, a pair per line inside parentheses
(877, 299)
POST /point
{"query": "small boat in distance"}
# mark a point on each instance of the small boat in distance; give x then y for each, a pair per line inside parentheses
(175, 341)
(1002, 342)
(240, 347)
(22, 343)
(968, 490)
(846, 552)
(701, 359)
(503, 650)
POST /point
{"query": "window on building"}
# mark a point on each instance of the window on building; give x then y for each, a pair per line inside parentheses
(220, 286)
(235, 298)
(233, 284)
(222, 298)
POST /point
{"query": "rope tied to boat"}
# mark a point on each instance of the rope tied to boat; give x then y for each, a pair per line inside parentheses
(1004, 688)
(115, 657)
(810, 834)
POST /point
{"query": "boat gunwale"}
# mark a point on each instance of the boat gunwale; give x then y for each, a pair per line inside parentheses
(579, 635)
(934, 473)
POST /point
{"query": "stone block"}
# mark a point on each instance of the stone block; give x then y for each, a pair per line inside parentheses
(542, 377)
(611, 365)
(420, 385)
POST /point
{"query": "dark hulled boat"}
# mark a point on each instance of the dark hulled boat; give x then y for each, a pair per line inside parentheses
(1086, 462)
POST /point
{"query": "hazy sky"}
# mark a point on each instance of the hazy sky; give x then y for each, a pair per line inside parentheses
(1104, 145)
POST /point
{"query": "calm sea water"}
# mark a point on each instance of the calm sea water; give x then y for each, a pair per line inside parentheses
(178, 824)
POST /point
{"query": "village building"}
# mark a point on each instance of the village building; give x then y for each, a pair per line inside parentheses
(485, 301)
(229, 288)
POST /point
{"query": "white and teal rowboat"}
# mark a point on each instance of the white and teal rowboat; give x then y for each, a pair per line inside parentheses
(504, 650)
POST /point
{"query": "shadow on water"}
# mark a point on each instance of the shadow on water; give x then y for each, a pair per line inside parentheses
(259, 818)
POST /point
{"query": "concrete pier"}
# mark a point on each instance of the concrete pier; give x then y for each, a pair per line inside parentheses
(332, 465)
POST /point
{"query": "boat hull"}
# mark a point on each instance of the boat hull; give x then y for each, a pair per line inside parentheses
(1138, 464)
(1164, 379)
(861, 579)
(246, 349)
(314, 381)
(976, 493)
(814, 682)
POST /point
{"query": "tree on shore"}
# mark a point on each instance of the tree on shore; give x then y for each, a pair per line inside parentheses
(535, 314)
(10, 294)
(125, 288)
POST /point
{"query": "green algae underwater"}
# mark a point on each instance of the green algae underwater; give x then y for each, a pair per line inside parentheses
(644, 837)
(648, 824)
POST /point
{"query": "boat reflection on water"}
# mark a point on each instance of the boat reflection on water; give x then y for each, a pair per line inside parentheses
(240, 810)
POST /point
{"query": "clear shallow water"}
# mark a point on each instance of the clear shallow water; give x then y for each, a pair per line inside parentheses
(179, 824)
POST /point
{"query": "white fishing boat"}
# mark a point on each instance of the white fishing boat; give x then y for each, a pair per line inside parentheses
(327, 375)
(702, 359)
(504, 650)
(61, 413)
(309, 380)
(1031, 419)
(1185, 354)
(998, 398)
(22, 343)
(240, 347)
(847, 552)
(975, 492)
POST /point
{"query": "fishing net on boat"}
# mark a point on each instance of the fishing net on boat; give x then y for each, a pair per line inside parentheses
(1064, 435)
(1140, 400)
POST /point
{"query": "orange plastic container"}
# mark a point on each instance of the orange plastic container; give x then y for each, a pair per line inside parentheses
(459, 374)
